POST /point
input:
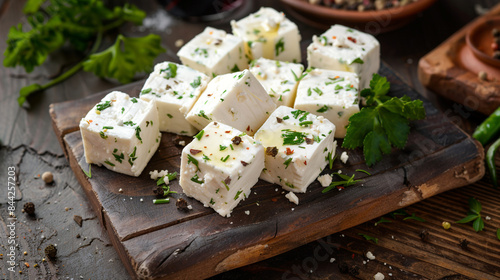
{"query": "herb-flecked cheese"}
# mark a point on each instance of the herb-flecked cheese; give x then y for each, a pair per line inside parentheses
(298, 146)
(121, 133)
(236, 99)
(332, 94)
(345, 49)
(220, 166)
(280, 79)
(175, 88)
(269, 34)
(214, 52)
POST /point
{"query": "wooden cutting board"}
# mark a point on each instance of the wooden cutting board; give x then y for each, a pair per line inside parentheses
(161, 242)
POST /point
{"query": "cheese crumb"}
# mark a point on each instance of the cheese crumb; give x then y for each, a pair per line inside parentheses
(247, 212)
(344, 157)
(292, 197)
(487, 218)
(325, 180)
(182, 143)
(190, 207)
(156, 175)
(370, 256)
(378, 276)
(332, 260)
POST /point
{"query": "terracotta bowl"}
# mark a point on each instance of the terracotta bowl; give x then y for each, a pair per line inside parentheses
(479, 40)
(373, 22)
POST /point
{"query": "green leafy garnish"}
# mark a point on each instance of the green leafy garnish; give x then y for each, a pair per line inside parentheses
(383, 123)
(358, 60)
(161, 200)
(131, 123)
(191, 159)
(224, 159)
(222, 148)
(382, 220)
(473, 215)
(322, 109)
(345, 182)
(287, 162)
(103, 106)
(414, 217)
(138, 133)
(125, 57)
(279, 47)
(199, 135)
(369, 238)
(196, 179)
(293, 137)
(364, 171)
(171, 71)
(196, 82)
(89, 174)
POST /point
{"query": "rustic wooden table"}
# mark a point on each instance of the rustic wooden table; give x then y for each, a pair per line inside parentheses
(29, 145)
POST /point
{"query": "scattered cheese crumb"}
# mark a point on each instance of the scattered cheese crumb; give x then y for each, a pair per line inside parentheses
(190, 207)
(182, 143)
(344, 157)
(120, 190)
(390, 274)
(141, 200)
(276, 189)
(293, 209)
(378, 276)
(292, 197)
(179, 43)
(487, 218)
(340, 171)
(332, 260)
(247, 212)
(370, 256)
(325, 180)
(364, 262)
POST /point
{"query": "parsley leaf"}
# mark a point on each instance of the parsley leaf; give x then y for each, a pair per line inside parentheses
(126, 57)
(383, 123)
(171, 71)
(473, 215)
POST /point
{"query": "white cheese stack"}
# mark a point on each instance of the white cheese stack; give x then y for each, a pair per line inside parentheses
(175, 88)
(280, 79)
(345, 49)
(268, 33)
(236, 99)
(220, 166)
(121, 133)
(332, 94)
(214, 52)
(297, 147)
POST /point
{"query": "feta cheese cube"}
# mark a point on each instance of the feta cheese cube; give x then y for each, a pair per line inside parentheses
(220, 166)
(297, 147)
(175, 88)
(237, 99)
(121, 133)
(332, 94)
(214, 52)
(345, 49)
(268, 33)
(292, 198)
(280, 79)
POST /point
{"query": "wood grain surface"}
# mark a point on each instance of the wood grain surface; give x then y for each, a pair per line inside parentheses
(29, 144)
(158, 241)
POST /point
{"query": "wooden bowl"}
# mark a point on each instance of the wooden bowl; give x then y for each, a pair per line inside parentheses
(374, 22)
(479, 40)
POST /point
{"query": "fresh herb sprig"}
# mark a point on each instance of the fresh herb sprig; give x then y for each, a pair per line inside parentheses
(82, 24)
(473, 215)
(369, 238)
(383, 122)
(345, 182)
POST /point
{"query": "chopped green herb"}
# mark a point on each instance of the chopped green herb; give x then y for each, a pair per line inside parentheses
(199, 135)
(108, 162)
(309, 92)
(103, 136)
(129, 123)
(290, 185)
(279, 47)
(197, 82)
(202, 114)
(201, 52)
(118, 158)
(287, 162)
(138, 133)
(369, 238)
(169, 116)
(339, 87)
(224, 159)
(172, 176)
(107, 127)
(293, 137)
(305, 123)
(161, 200)
(191, 159)
(358, 60)
(235, 68)
(212, 201)
(413, 217)
(132, 157)
(345, 182)
(301, 76)
(364, 171)
(222, 148)
(196, 179)
(134, 100)
(171, 71)
(146, 91)
(322, 109)
(103, 106)
(237, 194)
(205, 158)
(89, 174)
(231, 145)
(286, 117)
(318, 91)
(382, 220)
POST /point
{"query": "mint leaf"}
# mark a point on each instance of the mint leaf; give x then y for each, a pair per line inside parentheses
(125, 58)
(395, 126)
(374, 145)
(360, 124)
(475, 206)
(478, 224)
(467, 219)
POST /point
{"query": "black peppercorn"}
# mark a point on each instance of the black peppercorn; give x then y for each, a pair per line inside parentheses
(29, 208)
(424, 235)
(464, 243)
(159, 192)
(181, 204)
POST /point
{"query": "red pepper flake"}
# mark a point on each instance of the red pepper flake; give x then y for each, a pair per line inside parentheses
(352, 86)
(336, 77)
(352, 39)
(305, 162)
(353, 256)
(274, 199)
(248, 148)
(289, 151)
(205, 147)
(244, 163)
(334, 37)
(228, 131)
(340, 187)
(248, 128)
(209, 94)
(27, 264)
(211, 32)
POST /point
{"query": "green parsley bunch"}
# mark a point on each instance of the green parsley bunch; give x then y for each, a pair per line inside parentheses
(81, 23)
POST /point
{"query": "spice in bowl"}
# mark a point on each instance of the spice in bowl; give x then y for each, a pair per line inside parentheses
(362, 5)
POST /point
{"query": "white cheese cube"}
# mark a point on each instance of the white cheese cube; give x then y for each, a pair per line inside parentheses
(280, 79)
(332, 94)
(268, 33)
(220, 166)
(298, 145)
(292, 197)
(237, 99)
(121, 133)
(345, 49)
(175, 88)
(214, 52)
